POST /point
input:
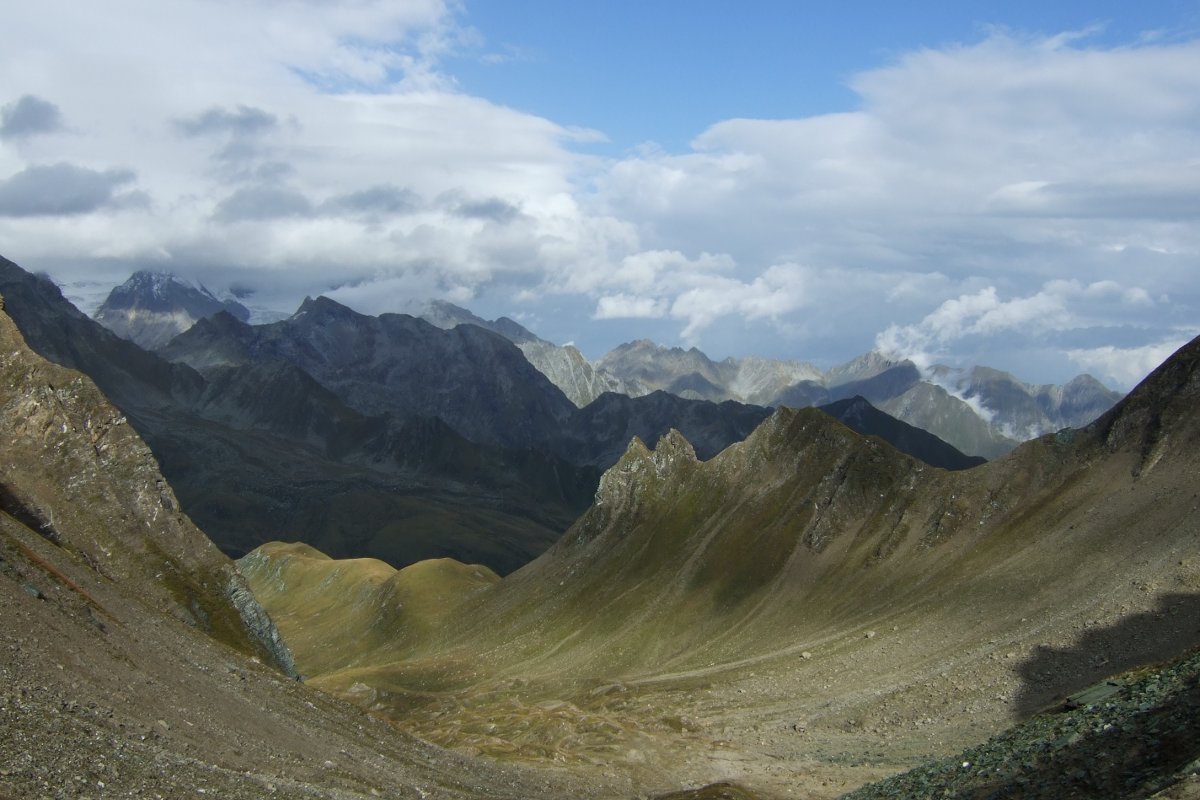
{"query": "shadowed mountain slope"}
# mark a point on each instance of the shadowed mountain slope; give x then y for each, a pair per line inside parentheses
(809, 598)
(863, 418)
(580, 380)
(476, 381)
(261, 450)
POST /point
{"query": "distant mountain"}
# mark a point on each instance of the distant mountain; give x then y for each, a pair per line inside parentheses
(260, 449)
(690, 373)
(1023, 410)
(863, 418)
(580, 380)
(477, 382)
(601, 431)
(980, 411)
(151, 308)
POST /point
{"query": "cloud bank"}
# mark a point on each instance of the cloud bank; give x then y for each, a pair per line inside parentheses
(1029, 202)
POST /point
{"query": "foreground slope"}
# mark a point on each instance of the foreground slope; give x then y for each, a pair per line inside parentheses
(813, 609)
(133, 660)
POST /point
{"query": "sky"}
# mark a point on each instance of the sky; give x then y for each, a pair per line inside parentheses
(1012, 184)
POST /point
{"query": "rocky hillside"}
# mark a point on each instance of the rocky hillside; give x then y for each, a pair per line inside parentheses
(152, 308)
(810, 610)
(134, 663)
(66, 447)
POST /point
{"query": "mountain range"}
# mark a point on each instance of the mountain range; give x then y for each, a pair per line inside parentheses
(135, 662)
(152, 308)
(381, 436)
(798, 613)
(979, 410)
(803, 596)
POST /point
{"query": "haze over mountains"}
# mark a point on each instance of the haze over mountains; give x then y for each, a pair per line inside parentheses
(980, 411)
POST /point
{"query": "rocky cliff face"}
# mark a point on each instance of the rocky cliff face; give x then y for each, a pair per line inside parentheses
(75, 472)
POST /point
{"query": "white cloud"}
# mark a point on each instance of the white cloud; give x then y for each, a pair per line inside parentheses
(1126, 366)
(623, 306)
(1059, 306)
(302, 147)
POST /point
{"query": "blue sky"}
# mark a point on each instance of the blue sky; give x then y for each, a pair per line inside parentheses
(664, 71)
(1013, 184)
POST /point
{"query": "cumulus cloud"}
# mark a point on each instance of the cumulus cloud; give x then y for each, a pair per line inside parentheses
(382, 199)
(61, 190)
(1060, 305)
(29, 116)
(492, 209)
(240, 122)
(777, 291)
(1126, 366)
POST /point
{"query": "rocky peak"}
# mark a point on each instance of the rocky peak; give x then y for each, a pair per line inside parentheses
(641, 468)
(151, 308)
(672, 450)
(322, 308)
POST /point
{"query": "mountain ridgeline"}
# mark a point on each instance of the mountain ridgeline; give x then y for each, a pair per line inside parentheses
(807, 594)
(767, 601)
(383, 437)
(980, 411)
(396, 438)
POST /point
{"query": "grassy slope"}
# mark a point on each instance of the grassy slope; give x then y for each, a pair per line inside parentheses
(812, 599)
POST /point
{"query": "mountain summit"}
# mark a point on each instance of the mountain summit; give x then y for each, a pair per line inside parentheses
(152, 308)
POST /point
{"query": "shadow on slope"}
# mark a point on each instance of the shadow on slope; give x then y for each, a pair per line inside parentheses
(1051, 673)
(1130, 738)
